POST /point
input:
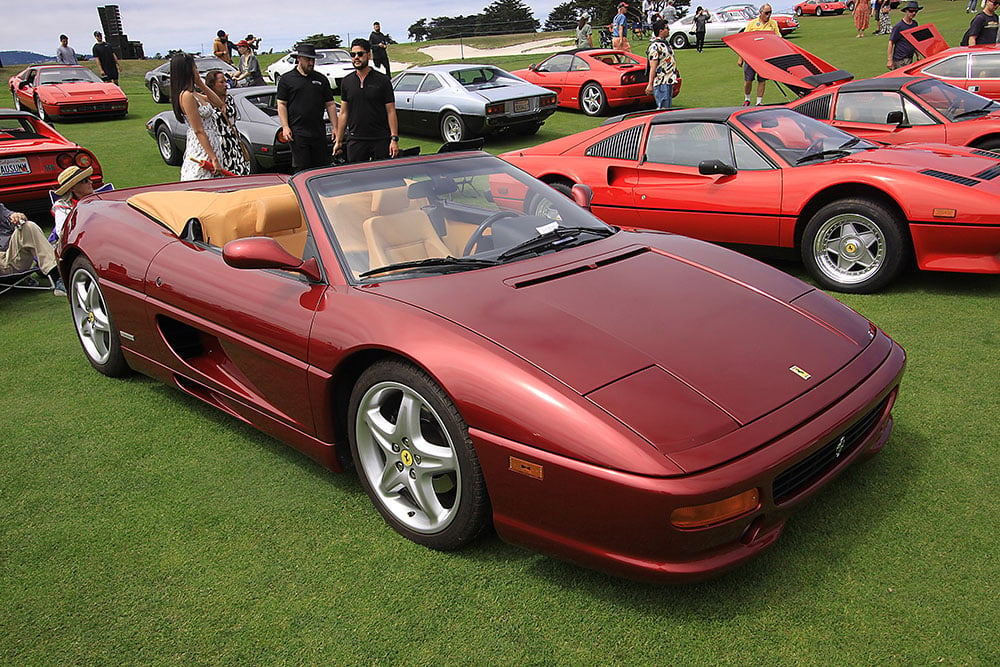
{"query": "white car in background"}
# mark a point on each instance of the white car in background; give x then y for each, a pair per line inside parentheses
(720, 24)
(334, 64)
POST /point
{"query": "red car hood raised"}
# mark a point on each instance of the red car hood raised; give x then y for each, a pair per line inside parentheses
(779, 59)
(926, 39)
(724, 330)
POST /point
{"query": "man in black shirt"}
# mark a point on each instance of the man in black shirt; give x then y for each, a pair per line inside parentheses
(380, 57)
(106, 58)
(367, 110)
(983, 29)
(303, 95)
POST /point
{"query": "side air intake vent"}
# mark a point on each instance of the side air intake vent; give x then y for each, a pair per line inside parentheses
(945, 176)
(621, 146)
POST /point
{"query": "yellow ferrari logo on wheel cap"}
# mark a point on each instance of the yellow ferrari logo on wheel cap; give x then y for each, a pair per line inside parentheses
(850, 247)
(406, 457)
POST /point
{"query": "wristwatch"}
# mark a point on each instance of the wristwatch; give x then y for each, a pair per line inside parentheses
(394, 138)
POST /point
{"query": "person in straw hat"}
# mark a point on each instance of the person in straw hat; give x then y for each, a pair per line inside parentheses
(74, 184)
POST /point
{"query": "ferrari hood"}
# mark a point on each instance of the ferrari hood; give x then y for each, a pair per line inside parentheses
(727, 334)
(926, 39)
(776, 58)
(87, 91)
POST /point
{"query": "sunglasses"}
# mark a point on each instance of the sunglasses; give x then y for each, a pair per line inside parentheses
(358, 54)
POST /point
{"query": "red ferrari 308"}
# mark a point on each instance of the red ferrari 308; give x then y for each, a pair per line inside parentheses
(32, 154)
(56, 92)
(975, 68)
(594, 80)
(893, 109)
(637, 402)
(856, 211)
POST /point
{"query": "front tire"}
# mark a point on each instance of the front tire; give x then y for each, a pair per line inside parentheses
(453, 127)
(40, 112)
(95, 326)
(17, 102)
(679, 41)
(819, 11)
(854, 245)
(593, 101)
(798, 11)
(170, 153)
(415, 458)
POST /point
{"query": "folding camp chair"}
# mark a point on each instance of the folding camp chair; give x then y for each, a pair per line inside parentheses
(28, 279)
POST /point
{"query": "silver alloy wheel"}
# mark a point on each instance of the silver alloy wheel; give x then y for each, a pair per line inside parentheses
(41, 111)
(165, 145)
(154, 89)
(592, 99)
(90, 314)
(452, 128)
(408, 457)
(17, 102)
(849, 248)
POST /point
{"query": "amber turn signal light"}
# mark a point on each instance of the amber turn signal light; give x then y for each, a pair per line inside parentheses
(698, 516)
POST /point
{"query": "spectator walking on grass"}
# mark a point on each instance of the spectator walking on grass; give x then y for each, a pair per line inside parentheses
(762, 22)
(701, 17)
(379, 42)
(862, 16)
(584, 33)
(65, 55)
(662, 68)
(106, 58)
(619, 31)
(367, 127)
(303, 95)
(900, 51)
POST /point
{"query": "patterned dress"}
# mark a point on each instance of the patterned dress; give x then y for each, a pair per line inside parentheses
(232, 156)
(190, 169)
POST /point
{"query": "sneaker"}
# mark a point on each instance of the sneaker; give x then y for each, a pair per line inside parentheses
(60, 289)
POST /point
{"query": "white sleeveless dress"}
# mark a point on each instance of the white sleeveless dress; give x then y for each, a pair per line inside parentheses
(191, 170)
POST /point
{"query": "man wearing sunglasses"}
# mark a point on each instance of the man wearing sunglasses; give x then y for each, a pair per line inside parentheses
(762, 22)
(900, 50)
(367, 129)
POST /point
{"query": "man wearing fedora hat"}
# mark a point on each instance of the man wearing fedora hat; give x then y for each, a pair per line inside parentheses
(900, 51)
(303, 94)
(21, 241)
(74, 185)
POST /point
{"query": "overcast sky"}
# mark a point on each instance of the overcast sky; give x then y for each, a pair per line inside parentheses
(29, 25)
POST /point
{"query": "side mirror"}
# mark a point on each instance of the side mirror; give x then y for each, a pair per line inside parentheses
(712, 167)
(533, 67)
(23, 84)
(895, 118)
(262, 252)
(582, 195)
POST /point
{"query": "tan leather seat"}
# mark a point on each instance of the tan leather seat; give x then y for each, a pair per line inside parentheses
(399, 233)
(281, 218)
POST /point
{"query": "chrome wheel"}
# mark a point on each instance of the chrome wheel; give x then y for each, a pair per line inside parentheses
(592, 100)
(452, 127)
(415, 458)
(94, 325)
(854, 246)
(39, 110)
(170, 153)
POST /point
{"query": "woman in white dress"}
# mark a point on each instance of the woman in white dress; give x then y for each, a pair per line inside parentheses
(194, 102)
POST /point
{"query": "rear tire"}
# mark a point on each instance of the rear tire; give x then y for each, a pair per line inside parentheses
(453, 127)
(95, 327)
(798, 11)
(154, 90)
(679, 41)
(170, 153)
(855, 245)
(593, 101)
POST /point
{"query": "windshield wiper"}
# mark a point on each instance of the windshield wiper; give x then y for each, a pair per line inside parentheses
(981, 110)
(842, 149)
(444, 263)
(552, 239)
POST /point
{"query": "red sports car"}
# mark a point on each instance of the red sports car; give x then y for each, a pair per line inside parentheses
(857, 212)
(819, 8)
(32, 154)
(593, 80)
(892, 109)
(974, 68)
(637, 402)
(55, 92)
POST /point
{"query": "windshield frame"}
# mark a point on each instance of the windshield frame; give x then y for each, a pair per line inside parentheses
(799, 136)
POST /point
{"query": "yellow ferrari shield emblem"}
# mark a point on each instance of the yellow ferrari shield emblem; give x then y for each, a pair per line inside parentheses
(406, 457)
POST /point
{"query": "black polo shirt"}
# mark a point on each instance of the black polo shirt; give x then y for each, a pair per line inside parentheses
(366, 114)
(306, 97)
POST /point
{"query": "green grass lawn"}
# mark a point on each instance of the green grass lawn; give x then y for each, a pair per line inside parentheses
(139, 526)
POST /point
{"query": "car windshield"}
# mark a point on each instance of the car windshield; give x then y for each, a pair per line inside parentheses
(210, 63)
(952, 102)
(434, 216)
(480, 76)
(798, 139)
(66, 75)
(334, 56)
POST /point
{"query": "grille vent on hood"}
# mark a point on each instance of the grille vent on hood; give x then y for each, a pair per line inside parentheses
(989, 174)
(562, 272)
(995, 156)
(954, 178)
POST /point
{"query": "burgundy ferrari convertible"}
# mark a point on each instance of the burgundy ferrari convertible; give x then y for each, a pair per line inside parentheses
(637, 402)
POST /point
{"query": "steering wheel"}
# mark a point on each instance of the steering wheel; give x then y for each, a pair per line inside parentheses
(483, 226)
